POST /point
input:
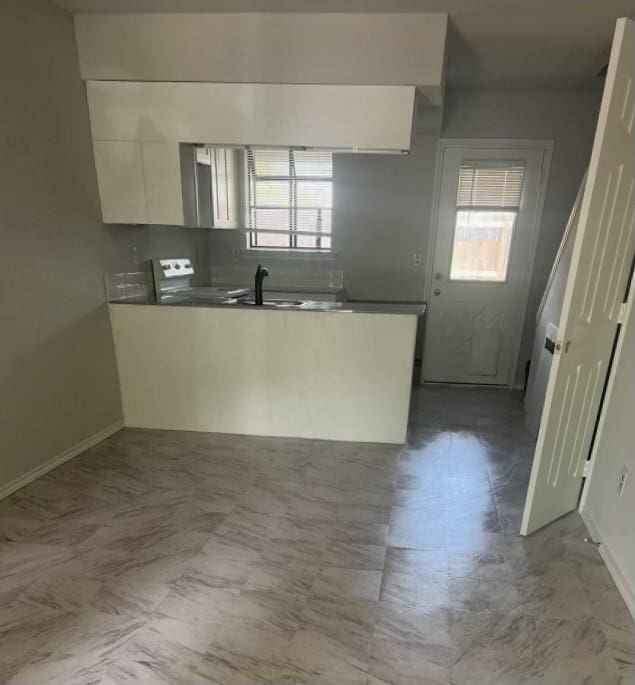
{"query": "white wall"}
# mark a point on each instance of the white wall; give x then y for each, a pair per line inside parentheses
(57, 365)
(611, 518)
(382, 204)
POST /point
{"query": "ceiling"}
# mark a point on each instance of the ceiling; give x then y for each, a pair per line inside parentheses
(495, 44)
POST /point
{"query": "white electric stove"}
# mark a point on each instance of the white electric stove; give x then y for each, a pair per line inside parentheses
(173, 285)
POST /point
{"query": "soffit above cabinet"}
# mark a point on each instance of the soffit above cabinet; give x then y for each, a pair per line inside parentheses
(321, 116)
(284, 48)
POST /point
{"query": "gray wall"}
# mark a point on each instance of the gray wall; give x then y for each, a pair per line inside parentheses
(153, 241)
(57, 366)
(611, 517)
(382, 203)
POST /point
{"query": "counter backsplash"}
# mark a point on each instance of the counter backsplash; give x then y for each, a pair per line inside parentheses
(312, 279)
(131, 287)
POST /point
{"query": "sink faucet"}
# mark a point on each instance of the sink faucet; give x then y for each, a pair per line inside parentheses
(261, 272)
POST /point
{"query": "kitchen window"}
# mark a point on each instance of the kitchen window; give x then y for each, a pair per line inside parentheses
(487, 205)
(289, 199)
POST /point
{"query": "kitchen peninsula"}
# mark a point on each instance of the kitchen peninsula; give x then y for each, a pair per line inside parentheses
(328, 371)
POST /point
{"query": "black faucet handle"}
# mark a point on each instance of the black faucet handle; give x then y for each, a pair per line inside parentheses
(261, 272)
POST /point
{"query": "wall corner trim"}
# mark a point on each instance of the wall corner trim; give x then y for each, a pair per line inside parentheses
(627, 592)
(22, 481)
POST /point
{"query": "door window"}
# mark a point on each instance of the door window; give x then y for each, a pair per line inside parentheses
(487, 205)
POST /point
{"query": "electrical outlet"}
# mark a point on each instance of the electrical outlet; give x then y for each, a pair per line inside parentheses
(621, 483)
(416, 259)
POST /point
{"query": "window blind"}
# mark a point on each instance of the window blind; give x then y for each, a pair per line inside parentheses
(290, 194)
(487, 184)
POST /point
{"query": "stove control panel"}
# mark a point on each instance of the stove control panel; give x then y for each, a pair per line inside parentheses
(175, 268)
(171, 275)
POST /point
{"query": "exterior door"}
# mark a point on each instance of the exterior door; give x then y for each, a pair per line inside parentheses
(488, 208)
(596, 284)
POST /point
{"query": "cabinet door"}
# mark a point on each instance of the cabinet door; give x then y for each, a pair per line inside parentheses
(223, 167)
(119, 166)
(269, 114)
(162, 174)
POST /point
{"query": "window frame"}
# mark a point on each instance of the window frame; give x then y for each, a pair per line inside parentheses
(292, 232)
(491, 163)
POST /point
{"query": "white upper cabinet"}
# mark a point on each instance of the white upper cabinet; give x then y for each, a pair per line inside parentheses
(138, 129)
(119, 166)
(139, 182)
(162, 177)
(335, 48)
(315, 80)
(322, 116)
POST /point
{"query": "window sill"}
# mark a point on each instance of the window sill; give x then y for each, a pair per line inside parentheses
(292, 255)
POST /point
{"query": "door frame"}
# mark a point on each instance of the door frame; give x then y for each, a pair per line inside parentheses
(546, 146)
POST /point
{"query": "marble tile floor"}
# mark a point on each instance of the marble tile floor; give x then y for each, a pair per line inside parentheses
(185, 558)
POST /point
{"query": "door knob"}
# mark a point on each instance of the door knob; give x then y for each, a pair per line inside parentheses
(437, 291)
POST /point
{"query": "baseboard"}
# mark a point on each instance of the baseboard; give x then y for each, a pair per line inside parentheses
(59, 459)
(628, 593)
(517, 386)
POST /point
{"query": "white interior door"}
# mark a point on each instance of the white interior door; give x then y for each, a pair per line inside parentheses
(488, 203)
(600, 266)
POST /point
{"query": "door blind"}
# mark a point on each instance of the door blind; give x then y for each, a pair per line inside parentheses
(490, 184)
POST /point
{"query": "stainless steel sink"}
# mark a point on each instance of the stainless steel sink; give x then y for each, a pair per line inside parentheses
(272, 303)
